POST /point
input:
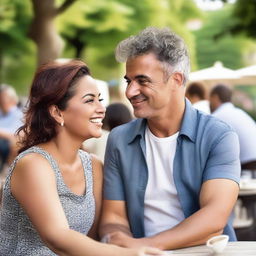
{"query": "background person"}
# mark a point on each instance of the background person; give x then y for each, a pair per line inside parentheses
(10, 120)
(116, 114)
(171, 176)
(197, 96)
(242, 123)
(52, 194)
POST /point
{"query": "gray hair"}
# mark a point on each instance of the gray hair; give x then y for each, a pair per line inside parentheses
(10, 92)
(168, 47)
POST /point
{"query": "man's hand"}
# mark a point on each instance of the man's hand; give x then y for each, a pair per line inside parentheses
(121, 239)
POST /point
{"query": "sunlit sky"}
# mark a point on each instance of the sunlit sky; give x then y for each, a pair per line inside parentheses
(211, 5)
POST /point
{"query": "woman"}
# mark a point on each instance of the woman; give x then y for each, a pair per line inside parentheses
(52, 195)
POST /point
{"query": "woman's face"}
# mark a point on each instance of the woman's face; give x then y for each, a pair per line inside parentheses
(84, 113)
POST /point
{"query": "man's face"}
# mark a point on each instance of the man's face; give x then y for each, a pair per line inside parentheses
(147, 89)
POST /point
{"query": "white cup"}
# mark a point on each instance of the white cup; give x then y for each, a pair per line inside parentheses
(218, 243)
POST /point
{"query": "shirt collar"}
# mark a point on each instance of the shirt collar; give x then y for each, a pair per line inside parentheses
(188, 124)
(139, 129)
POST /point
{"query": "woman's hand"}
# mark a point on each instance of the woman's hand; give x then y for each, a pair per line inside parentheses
(147, 251)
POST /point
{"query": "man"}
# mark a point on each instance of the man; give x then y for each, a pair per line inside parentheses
(10, 121)
(171, 175)
(196, 94)
(242, 123)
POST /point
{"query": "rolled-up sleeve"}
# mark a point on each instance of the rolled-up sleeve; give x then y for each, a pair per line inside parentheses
(223, 161)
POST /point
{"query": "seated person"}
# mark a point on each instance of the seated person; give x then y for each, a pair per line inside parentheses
(52, 194)
(10, 120)
(171, 176)
(196, 94)
(245, 127)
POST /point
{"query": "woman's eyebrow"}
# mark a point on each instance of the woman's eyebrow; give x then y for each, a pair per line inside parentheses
(89, 94)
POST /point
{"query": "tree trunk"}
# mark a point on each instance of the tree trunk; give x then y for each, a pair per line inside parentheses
(43, 31)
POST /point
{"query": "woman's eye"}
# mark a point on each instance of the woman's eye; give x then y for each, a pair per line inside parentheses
(88, 101)
(101, 99)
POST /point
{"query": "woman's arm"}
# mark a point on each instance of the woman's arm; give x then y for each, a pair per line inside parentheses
(33, 185)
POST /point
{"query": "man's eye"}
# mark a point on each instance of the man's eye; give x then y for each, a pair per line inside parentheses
(101, 99)
(142, 81)
(127, 81)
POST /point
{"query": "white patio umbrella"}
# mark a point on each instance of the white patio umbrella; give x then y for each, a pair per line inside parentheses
(215, 74)
(247, 75)
(247, 71)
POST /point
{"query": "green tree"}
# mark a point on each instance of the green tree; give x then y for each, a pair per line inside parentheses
(228, 48)
(89, 29)
(92, 30)
(43, 31)
(243, 17)
(14, 21)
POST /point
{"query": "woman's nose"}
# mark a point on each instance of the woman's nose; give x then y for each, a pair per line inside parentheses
(101, 108)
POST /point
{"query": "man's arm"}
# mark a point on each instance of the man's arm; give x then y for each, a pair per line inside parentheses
(114, 219)
(217, 199)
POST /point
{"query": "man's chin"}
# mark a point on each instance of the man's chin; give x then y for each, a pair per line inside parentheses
(139, 114)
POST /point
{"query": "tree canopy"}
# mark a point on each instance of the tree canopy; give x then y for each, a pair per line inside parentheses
(231, 50)
(91, 29)
(243, 17)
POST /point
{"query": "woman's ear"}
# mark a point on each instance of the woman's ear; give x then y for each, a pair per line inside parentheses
(56, 114)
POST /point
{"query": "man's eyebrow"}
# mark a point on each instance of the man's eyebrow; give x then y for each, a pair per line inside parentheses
(138, 77)
(142, 76)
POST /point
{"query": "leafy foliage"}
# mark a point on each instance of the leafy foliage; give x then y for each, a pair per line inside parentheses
(244, 18)
(227, 48)
(14, 20)
(92, 28)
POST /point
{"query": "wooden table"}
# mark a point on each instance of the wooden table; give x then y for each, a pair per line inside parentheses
(232, 249)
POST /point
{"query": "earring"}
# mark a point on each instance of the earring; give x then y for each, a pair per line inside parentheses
(62, 123)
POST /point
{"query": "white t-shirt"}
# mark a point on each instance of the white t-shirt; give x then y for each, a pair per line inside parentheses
(244, 126)
(162, 207)
(203, 105)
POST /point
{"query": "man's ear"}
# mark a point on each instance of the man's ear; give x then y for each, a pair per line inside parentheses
(56, 114)
(178, 78)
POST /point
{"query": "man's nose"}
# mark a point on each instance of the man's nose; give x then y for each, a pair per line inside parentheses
(132, 89)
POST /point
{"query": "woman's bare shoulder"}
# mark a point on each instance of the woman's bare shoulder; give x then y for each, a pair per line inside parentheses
(97, 165)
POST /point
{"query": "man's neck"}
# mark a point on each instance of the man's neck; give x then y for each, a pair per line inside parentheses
(169, 125)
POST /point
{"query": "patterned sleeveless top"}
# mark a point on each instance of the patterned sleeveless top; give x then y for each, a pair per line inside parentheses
(17, 234)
